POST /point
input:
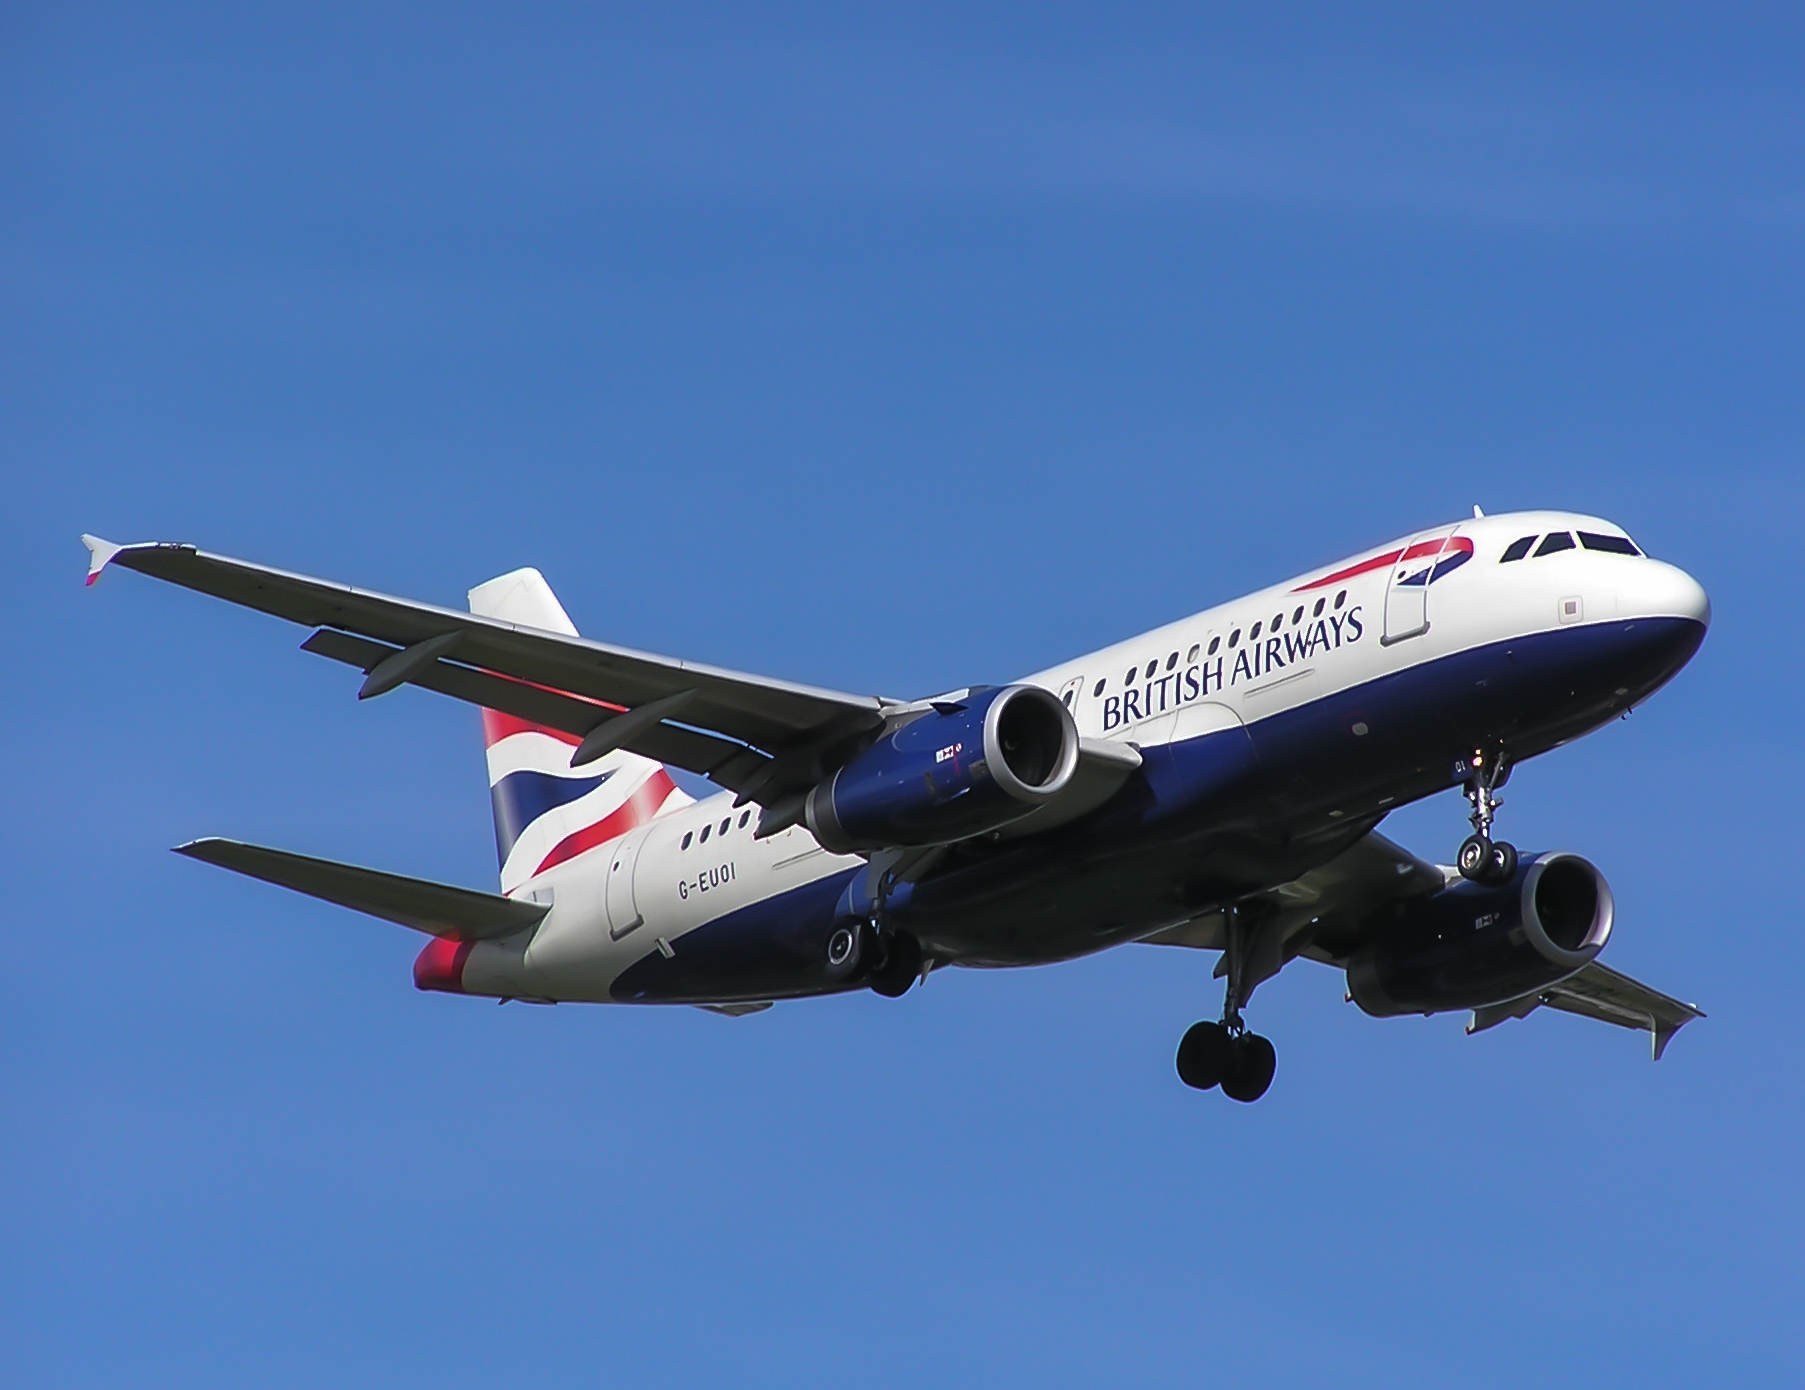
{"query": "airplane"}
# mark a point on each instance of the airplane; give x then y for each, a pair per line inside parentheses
(1213, 784)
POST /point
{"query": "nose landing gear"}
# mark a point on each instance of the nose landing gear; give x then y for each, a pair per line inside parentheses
(1225, 1054)
(1481, 858)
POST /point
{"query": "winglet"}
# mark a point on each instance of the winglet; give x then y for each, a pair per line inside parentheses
(1662, 1034)
(100, 555)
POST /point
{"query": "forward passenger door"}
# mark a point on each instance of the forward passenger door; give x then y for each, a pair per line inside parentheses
(1407, 588)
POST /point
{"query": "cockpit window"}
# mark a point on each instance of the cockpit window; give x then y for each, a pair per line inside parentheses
(1615, 545)
(1516, 550)
(1559, 540)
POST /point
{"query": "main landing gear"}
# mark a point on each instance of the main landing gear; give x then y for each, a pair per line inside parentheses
(895, 962)
(890, 960)
(1225, 1054)
(1481, 858)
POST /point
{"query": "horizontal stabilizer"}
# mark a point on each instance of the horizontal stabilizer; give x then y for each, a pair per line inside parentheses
(100, 555)
(458, 914)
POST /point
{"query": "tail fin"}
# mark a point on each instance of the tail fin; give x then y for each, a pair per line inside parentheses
(547, 812)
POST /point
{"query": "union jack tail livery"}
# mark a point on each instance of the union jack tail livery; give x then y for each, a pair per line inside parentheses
(546, 811)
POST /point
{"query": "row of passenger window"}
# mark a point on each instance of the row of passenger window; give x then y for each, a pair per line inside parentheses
(1563, 540)
(1234, 640)
(707, 830)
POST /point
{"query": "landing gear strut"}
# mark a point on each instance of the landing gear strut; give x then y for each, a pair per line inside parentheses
(1481, 858)
(894, 956)
(1225, 1054)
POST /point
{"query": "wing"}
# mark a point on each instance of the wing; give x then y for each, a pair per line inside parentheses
(1315, 915)
(757, 736)
(1324, 915)
(434, 908)
(1311, 915)
(1601, 993)
(767, 740)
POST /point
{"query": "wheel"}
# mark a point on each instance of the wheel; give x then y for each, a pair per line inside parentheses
(843, 951)
(1204, 1055)
(899, 968)
(1250, 1072)
(1474, 858)
(1501, 864)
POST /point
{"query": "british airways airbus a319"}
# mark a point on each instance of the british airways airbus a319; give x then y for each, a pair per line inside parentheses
(1213, 784)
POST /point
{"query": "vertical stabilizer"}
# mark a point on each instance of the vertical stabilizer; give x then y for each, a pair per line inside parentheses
(546, 812)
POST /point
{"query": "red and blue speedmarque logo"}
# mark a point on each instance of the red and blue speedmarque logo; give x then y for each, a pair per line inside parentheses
(1443, 555)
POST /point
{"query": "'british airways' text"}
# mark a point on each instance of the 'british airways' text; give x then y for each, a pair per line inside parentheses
(1213, 675)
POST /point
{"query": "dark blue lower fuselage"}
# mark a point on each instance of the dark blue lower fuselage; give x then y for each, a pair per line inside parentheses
(1203, 822)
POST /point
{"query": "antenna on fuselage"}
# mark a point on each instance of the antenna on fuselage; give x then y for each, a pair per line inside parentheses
(1477, 514)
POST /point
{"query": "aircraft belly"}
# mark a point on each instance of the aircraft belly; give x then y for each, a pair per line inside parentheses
(700, 907)
(772, 947)
(1209, 820)
(1232, 812)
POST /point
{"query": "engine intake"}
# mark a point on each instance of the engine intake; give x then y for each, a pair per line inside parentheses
(1469, 946)
(961, 769)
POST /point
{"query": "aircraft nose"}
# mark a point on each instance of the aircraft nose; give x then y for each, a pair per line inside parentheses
(1667, 591)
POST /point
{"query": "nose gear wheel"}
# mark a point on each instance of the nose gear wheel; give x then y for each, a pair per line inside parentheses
(1482, 859)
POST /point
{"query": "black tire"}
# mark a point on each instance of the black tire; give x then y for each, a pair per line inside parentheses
(900, 967)
(1501, 866)
(1205, 1054)
(1251, 1074)
(1474, 859)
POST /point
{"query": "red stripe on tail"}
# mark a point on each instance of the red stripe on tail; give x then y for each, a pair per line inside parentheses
(497, 726)
(636, 811)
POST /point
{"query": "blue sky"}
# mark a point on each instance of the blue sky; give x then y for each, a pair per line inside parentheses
(891, 353)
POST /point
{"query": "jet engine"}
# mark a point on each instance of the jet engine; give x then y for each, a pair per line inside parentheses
(1468, 946)
(965, 767)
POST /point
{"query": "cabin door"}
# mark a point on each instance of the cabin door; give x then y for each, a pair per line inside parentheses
(623, 908)
(1407, 589)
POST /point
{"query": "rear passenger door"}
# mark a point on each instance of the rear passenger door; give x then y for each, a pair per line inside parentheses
(623, 904)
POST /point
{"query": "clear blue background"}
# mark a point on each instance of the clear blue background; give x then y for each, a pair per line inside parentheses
(890, 352)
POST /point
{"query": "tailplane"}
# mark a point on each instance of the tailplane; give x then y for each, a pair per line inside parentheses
(547, 812)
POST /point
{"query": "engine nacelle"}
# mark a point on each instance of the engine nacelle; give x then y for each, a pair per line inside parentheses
(962, 769)
(1469, 946)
